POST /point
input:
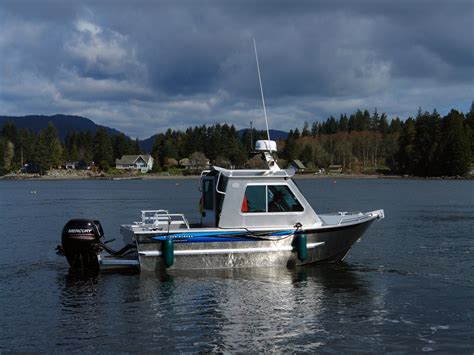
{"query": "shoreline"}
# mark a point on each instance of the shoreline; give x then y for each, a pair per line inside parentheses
(70, 177)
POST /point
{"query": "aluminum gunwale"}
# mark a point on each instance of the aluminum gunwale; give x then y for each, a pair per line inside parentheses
(302, 230)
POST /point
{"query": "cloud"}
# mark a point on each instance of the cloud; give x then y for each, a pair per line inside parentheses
(100, 52)
(143, 66)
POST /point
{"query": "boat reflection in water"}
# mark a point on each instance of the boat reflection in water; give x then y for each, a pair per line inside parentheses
(254, 309)
(264, 309)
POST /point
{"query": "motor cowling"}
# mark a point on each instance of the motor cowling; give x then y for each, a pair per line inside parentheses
(80, 242)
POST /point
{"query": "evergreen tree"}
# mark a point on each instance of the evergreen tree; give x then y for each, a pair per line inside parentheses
(383, 125)
(289, 152)
(10, 133)
(135, 147)
(49, 149)
(375, 121)
(343, 123)
(331, 125)
(455, 149)
(296, 133)
(6, 155)
(404, 156)
(102, 149)
(85, 146)
(426, 142)
(470, 129)
(395, 126)
(121, 146)
(307, 156)
(70, 145)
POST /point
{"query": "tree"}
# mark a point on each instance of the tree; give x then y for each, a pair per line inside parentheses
(306, 155)
(135, 147)
(289, 151)
(375, 121)
(121, 145)
(198, 160)
(383, 125)
(315, 129)
(403, 160)
(395, 126)
(10, 133)
(48, 148)
(426, 142)
(343, 123)
(6, 155)
(470, 129)
(102, 148)
(455, 150)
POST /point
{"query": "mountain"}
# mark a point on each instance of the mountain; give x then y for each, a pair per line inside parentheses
(146, 145)
(63, 123)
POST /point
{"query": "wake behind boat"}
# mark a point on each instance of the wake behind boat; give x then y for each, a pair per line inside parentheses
(249, 218)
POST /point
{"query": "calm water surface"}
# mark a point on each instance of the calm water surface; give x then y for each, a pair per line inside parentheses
(407, 286)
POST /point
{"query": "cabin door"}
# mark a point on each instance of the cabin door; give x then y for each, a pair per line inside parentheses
(208, 214)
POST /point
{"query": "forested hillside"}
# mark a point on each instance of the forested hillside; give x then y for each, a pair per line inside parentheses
(427, 145)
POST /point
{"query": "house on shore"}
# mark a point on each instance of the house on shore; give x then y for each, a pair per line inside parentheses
(77, 165)
(142, 162)
(196, 161)
(335, 169)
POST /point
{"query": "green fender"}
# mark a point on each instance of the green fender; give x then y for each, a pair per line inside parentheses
(168, 252)
(301, 247)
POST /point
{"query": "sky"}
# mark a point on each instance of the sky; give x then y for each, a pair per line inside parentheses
(145, 66)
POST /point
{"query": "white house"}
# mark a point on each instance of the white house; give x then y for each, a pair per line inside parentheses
(142, 162)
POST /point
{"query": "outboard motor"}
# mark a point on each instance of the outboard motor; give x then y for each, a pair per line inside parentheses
(81, 243)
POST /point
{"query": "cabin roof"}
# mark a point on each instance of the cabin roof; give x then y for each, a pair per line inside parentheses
(253, 173)
(131, 159)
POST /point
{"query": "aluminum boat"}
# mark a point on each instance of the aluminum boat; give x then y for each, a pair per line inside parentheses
(249, 218)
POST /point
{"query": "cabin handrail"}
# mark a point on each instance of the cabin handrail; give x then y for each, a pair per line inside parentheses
(264, 174)
(354, 219)
(200, 178)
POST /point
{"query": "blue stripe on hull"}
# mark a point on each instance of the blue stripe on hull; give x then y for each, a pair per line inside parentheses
(219, 236)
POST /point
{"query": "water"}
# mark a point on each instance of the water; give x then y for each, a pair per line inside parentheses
(407, 286)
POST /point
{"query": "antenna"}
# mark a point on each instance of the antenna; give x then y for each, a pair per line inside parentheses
(251, 136)
(261, 88)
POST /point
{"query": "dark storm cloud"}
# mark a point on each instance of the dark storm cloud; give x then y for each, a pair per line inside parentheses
(141, 64)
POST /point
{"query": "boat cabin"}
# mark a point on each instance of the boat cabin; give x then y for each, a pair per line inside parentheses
(253, 198)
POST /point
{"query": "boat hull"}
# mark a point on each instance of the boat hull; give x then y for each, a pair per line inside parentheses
(321, 245)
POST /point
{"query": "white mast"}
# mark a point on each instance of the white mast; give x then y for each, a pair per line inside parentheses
(261, 89)
(268, 146)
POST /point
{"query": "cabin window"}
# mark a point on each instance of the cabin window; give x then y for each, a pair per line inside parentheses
(208, 194)
(255, 199)
(281, 199)
(269, 198)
